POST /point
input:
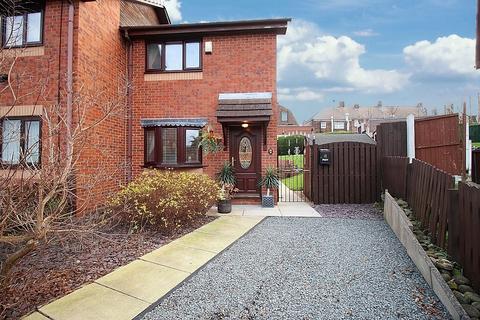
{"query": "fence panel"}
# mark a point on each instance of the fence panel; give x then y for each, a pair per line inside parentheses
(438, 142)
(476, 166)
(468, 247)
(427, 195)
(351, 176)
(395, 176)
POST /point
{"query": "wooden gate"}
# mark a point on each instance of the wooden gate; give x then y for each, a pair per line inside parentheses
(350, 177)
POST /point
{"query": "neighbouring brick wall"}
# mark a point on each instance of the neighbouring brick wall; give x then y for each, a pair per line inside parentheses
(100, 84)
(240, 63)
(38, 73)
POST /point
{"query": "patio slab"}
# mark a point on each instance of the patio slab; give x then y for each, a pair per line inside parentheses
(144, 280)
(94, 302)
(206, 241)
(179, 257)
(127, 291)
(35, 316)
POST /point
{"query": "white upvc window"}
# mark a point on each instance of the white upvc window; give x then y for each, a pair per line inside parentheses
(323, 125)
(339, 125)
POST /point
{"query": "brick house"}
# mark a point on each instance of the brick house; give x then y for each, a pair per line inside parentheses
(358, 119)
(181, 79)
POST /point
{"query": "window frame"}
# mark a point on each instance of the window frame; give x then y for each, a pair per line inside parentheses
(323, 125)
(181, 149)
(335, 123)
(23, 141)
(25, 14)
(282, 113)
(184, 56)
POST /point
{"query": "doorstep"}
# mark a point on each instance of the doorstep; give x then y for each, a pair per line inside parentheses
(129, 290)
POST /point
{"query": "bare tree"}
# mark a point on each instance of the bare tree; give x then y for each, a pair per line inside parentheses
(38, 198)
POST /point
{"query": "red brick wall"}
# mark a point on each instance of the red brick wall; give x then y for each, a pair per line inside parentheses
(35, 78)
(100, 67)
(99, 71)
(241, 63)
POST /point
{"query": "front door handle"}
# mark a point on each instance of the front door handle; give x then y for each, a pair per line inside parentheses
(233, 161)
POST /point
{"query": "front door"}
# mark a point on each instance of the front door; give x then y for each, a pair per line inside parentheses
(245, 154)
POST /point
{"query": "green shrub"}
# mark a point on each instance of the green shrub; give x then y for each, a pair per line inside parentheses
(165, 200)
(475, 133)
(289, 143)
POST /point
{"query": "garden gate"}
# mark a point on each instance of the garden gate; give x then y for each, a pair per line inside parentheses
(342, 172)
(291, 171)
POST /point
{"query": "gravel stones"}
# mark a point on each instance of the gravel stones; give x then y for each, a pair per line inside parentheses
(307, 268)
(349, 211)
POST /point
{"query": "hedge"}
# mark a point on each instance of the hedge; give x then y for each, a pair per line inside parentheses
(289, 143)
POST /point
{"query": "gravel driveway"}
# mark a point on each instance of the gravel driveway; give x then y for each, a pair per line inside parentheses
(307, 268)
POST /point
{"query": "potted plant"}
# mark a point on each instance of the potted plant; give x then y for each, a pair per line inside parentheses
(226, 178)
(270, 181)
(209, 142)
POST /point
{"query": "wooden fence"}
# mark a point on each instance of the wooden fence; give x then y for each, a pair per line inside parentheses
(440, 208)
(351, 176)
(438, 142)
(476, 166)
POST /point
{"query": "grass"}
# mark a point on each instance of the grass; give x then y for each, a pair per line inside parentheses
(297, 159)
(294, 183)
(476, 144)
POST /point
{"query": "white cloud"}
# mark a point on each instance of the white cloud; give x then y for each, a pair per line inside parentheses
(331, 61)
(447, 56)
(366, 33)
(299, 94)
(173, 8)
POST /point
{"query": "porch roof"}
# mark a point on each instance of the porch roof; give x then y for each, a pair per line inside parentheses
(174, 122)
(244, 107)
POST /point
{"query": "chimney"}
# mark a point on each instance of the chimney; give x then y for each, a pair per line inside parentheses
(356, 106)
(380, 104)
(341, 104)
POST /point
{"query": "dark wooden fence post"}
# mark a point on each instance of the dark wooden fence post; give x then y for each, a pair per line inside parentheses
(453, 225)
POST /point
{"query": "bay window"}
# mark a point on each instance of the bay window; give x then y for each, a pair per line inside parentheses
(172, 147)
(25, 26)
(175, 56)
(20, 141)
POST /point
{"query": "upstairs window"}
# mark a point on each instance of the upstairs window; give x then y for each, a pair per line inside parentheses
(284, 117)
(20, 141)
(174, 56)
(23, 25)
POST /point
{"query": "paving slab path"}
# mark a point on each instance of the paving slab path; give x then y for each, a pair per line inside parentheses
(306, 268)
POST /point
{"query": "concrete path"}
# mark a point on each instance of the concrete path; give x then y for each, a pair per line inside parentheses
(130, 289)
(282, 209)
(304, 268)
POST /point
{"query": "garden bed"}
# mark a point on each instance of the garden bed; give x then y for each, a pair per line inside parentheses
(58, 268)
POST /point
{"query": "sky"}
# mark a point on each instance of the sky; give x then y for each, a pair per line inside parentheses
(400, 52)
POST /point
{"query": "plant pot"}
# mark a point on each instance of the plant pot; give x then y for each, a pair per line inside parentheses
(224, 206)
(267, 201)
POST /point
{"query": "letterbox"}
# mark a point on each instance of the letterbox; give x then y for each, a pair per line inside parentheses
(324, 156)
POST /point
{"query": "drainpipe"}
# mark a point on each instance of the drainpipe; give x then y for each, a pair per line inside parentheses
(332, 122)
(129, 106)
(69, 111)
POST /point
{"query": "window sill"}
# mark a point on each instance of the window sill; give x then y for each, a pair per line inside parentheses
(177, 166)
(172, 76)
(28, 51)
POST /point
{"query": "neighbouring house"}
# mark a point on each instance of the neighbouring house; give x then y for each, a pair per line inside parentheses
(180, 79)
(288, 125)
(359, 119)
